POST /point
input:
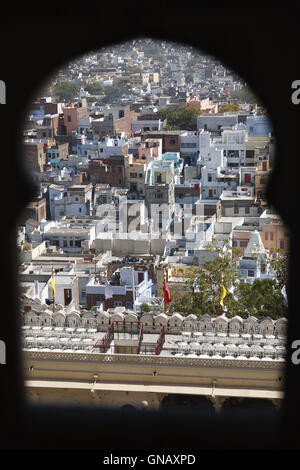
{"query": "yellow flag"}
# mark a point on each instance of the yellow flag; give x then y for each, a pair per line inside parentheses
(52, 283)
(223, 293)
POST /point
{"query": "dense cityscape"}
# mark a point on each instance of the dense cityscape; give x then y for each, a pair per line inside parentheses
(150, 244)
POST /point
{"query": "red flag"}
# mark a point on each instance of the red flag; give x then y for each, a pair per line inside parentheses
(167, 295)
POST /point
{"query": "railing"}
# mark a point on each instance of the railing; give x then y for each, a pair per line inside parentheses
(132, 328)
(140, 338)
(105, 343)
(160, 342)
(154, 360)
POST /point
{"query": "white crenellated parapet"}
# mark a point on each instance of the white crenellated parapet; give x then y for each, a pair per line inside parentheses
(153, 322)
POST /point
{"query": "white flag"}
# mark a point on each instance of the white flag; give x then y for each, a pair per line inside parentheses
(108, 293)
(283, 291)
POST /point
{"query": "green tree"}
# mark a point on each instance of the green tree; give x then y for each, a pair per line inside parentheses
(133, 69)
(94, 88)
(261, 299)
(179, 117)
(229, 107)
(279, 262)
(145, 308)
(115, 92)
(245, 95)
(193, 61)
(189, 77)
(204, 296)
(66, 91)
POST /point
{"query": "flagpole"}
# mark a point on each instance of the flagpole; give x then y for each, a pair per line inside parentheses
(53, 293)
(133, 291)
(221, 301)
(165, 277)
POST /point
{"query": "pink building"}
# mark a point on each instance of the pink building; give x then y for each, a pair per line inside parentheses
(206, 105)
(71, 115)
(150, 148)
(240, 240)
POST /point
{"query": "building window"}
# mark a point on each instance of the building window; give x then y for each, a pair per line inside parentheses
(250, 273)
(247, 210)
(267, 236)
(271, 236)
(133, 175)
(281, 242)
(236, 210)
(172, 142)
(71, 242)
(234, 243)
(243, 243)
(158, 196)
(118, 303)
(69, 118)
(78, 243)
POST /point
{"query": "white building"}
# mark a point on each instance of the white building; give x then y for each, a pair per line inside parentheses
(71, 239)
(233, 146)
(214, 182)
(146, 125)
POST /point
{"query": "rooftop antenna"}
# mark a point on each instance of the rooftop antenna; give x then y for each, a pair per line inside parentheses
(133, 290)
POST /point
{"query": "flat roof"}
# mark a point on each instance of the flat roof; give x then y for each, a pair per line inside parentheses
(126, 387)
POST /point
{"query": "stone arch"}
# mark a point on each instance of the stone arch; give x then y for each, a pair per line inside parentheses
(128, 407)
(131, 318)
(235, 325)
(46, 318)
(30, 318)
(206, 324)
(249, 325)
(103, 320)
(189, 322)
(175, 322)
(148, 321)
(88, 320)
(117, 316)
(221, 325)
(267, 326)
(58, 319)
(160, 321)
(73, 319)
(280, 326)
